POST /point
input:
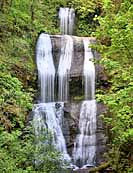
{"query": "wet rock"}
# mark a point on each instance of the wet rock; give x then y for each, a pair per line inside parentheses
(71, 119)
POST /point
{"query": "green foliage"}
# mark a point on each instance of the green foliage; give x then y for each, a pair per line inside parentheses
(47, 158)
(14, 102)
(84, 7)
(14, 153)
(18, 152)
(30, 16)
(115, 42)
(85, 13)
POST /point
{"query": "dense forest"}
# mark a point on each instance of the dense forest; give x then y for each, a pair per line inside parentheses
(111, 22)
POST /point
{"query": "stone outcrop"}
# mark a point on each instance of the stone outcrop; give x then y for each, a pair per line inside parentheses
(78, 60)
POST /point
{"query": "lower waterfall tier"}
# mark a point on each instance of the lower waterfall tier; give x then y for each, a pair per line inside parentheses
(49, 117)
(83, 147)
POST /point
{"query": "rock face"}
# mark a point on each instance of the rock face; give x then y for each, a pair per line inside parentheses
(72, 108)
(71, 119)
(76, 91)
(78, 54)
(77, 63)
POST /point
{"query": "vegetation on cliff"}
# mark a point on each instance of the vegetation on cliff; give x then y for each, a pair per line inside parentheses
(115, 43)
(110, 21)
(20, 23)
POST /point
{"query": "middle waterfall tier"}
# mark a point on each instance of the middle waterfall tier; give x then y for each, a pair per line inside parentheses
(88, 70)
(64, 67)
(45, 66)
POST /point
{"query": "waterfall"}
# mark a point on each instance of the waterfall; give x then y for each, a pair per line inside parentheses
(45, 66)
(64, 67)
(84, 146)
(66, 16)
(49, 114)
(88, 70)
(84, 151)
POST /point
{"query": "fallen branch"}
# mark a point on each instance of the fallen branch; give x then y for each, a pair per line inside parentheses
(99, 168)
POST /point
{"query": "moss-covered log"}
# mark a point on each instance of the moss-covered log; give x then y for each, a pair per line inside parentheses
(102, 167)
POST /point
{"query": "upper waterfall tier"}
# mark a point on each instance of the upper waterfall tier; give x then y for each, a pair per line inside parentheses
(67, 16)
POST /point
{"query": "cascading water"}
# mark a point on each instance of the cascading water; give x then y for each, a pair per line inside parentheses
(66, 16)
(88, 71)
(45, 66)
(64, 67)
(84, 152)
(48, 115)
(84, 147)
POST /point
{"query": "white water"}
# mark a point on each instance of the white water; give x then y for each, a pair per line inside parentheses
(45, 66)
(64, 67)
(88, 71)
(50, 116)
(67, 16)
(84, 151)
(85, 145)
